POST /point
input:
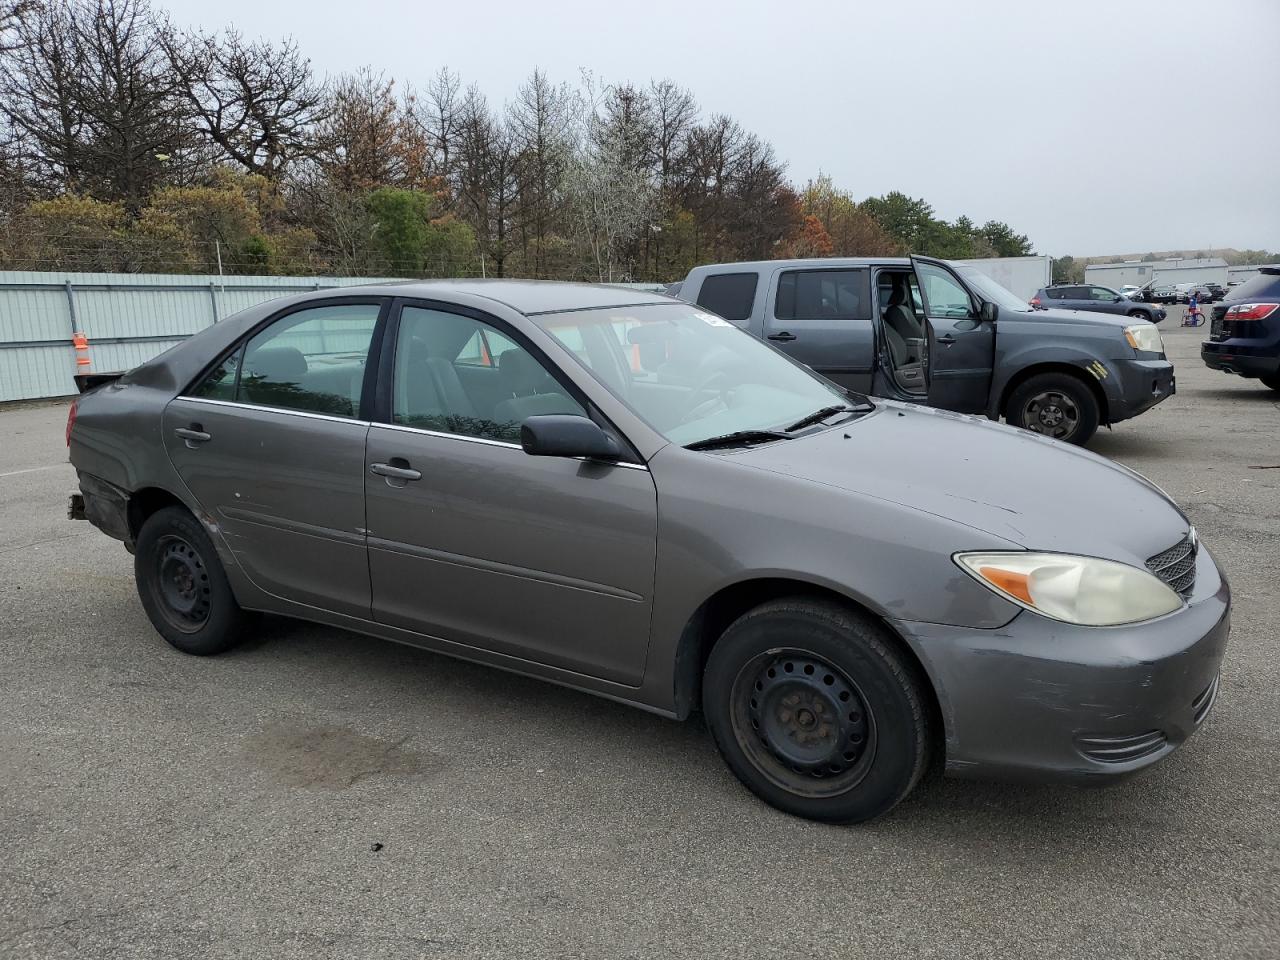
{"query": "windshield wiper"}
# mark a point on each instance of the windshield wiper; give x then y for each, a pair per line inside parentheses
(818, 416)
(739, 438)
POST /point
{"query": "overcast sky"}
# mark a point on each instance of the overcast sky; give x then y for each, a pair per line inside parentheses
(1093, 126)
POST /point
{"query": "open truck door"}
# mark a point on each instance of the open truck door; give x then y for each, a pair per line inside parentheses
(960, 339)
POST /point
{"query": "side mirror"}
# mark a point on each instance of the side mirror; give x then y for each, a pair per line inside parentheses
(1116, 299)
(989, 312)
(566, 435)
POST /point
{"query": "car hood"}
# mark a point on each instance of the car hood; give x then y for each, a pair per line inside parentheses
(1093, 318)
(1032, 491)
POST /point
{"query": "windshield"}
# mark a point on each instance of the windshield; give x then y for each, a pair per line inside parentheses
(689, 374)
(988, 289)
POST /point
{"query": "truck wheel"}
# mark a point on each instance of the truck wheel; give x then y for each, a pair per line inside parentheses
(1057, 405)
(182, 584)
(1271, 380)
(816, 712)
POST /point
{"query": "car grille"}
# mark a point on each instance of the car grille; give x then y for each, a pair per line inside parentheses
(1132, 746)
(1177, 566)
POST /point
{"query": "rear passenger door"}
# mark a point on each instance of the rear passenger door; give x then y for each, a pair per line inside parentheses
(472, 540)
(822, 318)
(271, 443)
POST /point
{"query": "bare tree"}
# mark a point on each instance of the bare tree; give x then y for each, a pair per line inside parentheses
(368, 139)
(90, 91)
(611, 199)
(674, 114)
(12, 13)
(539, 122)
(486, 180)
(438, 114)
(258, 102)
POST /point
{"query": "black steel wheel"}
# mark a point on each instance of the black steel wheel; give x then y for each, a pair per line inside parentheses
(1058, 405)
(817, 710)
(804, 722)
(182, 585)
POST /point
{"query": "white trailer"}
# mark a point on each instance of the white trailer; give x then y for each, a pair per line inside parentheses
(1022, 276)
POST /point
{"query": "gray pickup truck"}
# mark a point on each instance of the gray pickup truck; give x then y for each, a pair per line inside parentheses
(945, 334)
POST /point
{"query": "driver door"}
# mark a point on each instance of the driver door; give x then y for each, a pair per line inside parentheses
(960, 346)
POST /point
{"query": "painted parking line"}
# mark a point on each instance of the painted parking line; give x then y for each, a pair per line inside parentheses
(15, 473)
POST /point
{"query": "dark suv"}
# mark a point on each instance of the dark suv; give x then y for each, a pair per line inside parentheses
(1211, 292)
(1244, 331)
(1097, 299)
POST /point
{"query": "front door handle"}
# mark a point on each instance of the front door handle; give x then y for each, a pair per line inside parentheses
(192, 434)
(783, 336)
(392, 472)
(947, 338)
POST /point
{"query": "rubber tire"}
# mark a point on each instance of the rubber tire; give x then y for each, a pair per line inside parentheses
(891, 685)
(1086, 402)
(226, 621)
(1138, 315)
(1272, 381)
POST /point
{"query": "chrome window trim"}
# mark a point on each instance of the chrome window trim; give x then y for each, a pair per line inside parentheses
(500, 443)
(264, 409)
(392, 426)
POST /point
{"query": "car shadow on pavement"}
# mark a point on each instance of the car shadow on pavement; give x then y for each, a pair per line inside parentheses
(418, 688)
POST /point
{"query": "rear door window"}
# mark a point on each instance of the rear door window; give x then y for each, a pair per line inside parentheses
(824, 295)
(731, 295)
(312, 360)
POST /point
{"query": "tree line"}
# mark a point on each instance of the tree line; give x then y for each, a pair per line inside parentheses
(129, 144)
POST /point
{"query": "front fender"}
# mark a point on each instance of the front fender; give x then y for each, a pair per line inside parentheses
(1096, 366)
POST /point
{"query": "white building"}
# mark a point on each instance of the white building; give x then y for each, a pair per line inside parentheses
(1139, 273)
(1245, 271)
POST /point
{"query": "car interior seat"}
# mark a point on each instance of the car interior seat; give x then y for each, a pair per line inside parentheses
(533, 391)
(904, 336)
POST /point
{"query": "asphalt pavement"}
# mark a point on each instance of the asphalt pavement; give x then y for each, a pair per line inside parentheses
(316, 794)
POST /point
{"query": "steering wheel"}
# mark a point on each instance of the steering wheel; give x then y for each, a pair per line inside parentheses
(707, 384)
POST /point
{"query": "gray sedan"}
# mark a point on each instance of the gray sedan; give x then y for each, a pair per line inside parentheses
(625, 494)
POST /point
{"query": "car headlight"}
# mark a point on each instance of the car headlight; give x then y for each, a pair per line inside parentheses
(1144, 336)
(1081, 590)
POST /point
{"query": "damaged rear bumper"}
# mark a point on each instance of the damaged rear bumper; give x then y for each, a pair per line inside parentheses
(104, 505)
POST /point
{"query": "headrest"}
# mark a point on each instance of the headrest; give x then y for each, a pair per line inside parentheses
(277, 364)
(898, 295)
(521, 374)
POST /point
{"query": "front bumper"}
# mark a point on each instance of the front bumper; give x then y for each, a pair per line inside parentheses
(1139, 385)
(1244, 357)
(1045, 700)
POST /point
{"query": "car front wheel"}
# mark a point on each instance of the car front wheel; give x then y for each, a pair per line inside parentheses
(182, 584)
(1057, 405)
(816, 711)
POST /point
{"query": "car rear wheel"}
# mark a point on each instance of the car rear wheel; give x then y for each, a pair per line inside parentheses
(182, 584)
(816, 711)
(1056, 405)
(1272, 381)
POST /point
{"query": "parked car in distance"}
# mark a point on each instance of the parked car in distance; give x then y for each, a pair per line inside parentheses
(1244, 330)
(1211, 292)
(925, 330)
(1085, 296)
(1164, 293)
(625, 494)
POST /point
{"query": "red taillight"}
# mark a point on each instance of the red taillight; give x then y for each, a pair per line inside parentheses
(1251, 311)
(71, 420)
(1035, 302)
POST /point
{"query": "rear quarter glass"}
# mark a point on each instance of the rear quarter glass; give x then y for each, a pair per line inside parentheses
(1265, 286)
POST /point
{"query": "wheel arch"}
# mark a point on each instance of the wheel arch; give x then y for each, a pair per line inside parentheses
(1054, 366)
(146, 501)
(714, 615)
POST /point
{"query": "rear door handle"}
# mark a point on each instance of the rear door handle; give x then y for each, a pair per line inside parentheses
(394, 472)
(192, 434)
(947, 338)
(784, 336)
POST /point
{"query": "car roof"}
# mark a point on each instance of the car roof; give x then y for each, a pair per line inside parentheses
(756, 265)
(530, 297)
